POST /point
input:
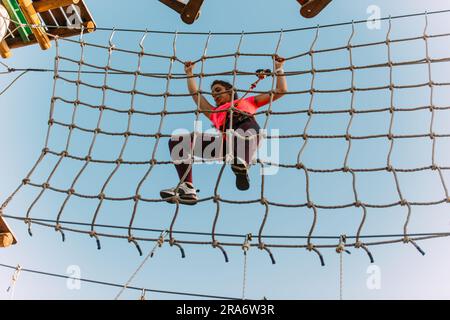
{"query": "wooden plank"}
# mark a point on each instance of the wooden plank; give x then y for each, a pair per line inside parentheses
(47, 5)
(33, 19)
(62, 33)
(86, 16)
(18, 18)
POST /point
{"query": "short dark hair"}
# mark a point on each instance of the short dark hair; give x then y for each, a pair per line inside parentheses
(227, 86)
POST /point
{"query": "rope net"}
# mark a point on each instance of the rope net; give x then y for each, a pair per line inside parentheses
(113, 110)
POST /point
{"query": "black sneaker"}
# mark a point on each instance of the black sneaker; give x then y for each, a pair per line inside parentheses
(242, 179)
(186, 192)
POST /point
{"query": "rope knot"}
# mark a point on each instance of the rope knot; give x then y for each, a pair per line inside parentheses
(26, 181)
(358, 204)
(45, 150)
(215, 244)
(403, 202)
(261, 246)
(161, 241)
(346, 169)
(101, 196)
(264, 201)
(299, 166)
(137, 197)
(71, 191)
(310, 247)
(310, 204)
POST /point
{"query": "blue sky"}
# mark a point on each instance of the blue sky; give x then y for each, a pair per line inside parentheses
(297, 274)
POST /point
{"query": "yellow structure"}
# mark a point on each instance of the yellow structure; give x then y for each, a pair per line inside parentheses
(36, 21)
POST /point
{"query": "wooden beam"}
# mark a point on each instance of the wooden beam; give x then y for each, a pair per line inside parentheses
(47, 5)
(5, 52)
(33, 19)
(6, 235)
(62, 33)
(6, 240)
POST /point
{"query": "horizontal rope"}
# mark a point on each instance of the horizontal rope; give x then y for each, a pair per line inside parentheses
(227, 235)
(333, 25)
(110, 284)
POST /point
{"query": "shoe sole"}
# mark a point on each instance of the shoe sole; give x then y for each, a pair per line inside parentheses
(242, 182)
(170, 198)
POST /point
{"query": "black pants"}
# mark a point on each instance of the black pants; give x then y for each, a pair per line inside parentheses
(214, 146)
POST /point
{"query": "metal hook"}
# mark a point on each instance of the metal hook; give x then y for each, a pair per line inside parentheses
(111, 45)
(341, 247)
(246, 246)
(81, 34)
(141, 43)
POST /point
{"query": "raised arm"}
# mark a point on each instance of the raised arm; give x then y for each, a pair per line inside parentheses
(204, 106)
(281, 87)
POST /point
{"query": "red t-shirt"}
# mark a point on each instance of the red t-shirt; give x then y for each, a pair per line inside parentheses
(248, 105)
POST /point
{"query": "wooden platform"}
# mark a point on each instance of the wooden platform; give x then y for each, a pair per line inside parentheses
(69, 15)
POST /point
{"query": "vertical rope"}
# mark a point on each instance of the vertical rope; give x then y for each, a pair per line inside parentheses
(215, 243)
(341, 275)
(158, 244)
(245, 247)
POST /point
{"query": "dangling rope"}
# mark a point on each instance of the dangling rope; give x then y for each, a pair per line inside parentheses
(341, 275)
(245, 248)
(158, 244)
(11, 70)
(340, 250)
(14, 279)
(142, 298)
